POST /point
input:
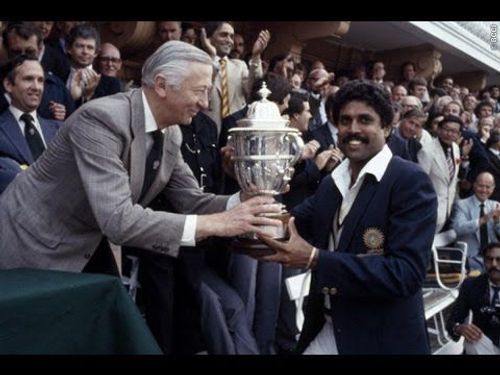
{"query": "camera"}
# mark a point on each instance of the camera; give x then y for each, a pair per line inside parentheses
(492, 313)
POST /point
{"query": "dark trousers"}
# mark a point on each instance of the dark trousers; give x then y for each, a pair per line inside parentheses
(170, 292)
(102, 261)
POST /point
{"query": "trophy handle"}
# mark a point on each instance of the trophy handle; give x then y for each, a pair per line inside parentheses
(299, 146)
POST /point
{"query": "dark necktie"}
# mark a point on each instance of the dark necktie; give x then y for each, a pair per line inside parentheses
(32, 136)
(153, 161)
(483, 229)
(494, 300)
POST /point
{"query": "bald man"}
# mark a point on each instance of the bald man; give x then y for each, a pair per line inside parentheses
(109, 63)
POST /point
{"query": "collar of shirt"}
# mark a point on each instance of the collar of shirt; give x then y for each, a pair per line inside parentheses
(491, 290)
(376, 166)
(333, 130)
(477, 202)
(42, 51)
(495, 152)
(149, 119)
(218, 59)
(445, 148)
(17, 113)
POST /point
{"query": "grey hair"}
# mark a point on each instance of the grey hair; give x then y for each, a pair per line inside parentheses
(171, 59)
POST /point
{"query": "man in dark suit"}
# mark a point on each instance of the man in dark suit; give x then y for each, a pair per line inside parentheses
(22, 79)
(24, 38)
(51, 59)
(366, 235)
(481, 296)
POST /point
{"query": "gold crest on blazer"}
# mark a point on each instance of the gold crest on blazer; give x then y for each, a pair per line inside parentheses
(373, 238)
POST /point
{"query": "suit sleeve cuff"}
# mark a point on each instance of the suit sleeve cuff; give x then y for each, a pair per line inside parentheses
(189, 232)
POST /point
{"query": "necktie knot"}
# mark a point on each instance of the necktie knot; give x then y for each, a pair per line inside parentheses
(27, 118)
(222, 61)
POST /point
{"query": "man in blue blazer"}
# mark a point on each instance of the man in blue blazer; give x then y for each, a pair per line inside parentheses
(23, 79)
(470, 222)
(366, 235)
(479, 295)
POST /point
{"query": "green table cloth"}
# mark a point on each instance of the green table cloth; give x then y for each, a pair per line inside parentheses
(53, 312)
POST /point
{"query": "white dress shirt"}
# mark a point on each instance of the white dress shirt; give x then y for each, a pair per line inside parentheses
(189, 232)
(17, 115)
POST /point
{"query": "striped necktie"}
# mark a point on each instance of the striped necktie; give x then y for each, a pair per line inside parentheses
(224, 88)
(451, 164)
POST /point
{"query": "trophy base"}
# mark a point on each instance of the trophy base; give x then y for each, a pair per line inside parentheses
(248, 246)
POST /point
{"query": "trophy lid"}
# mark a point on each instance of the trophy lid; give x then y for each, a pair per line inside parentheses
(263, 114)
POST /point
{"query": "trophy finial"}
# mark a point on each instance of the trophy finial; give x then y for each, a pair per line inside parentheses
(264, 92)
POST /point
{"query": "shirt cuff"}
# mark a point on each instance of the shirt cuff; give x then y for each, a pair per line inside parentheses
(233, 201)
(189, 232)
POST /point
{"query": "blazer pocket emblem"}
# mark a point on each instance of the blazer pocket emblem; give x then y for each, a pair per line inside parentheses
(373, 238)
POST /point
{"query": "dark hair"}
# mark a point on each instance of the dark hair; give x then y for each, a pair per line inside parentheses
(277, 84)
(7, 70)
(437, 91)
(276, 59)
(451, 118)
(414, 113)
(211, 27)
(186, 26)
(366, 92)
(23, 29)
(403, 66)
(84, 32)
(417, 81)
(482, 104)
(296, 103)
(488, 247)
(494, 137)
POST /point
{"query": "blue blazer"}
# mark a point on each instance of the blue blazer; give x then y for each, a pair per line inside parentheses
(474, 295)
(376, 296)
(13, 144)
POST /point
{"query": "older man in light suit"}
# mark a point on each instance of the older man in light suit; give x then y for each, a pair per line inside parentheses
(240, 78)
(92, 180)
(477, 214)
(441, 160)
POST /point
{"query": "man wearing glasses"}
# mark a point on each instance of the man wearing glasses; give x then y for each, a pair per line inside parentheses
(441, 160)
(109, 63)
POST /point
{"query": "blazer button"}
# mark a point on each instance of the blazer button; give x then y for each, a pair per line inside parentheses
(87, 256)
(325, 290)
(333, 291)
(155, 246)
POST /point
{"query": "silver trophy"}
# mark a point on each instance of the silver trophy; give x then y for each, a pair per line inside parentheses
(265, 151)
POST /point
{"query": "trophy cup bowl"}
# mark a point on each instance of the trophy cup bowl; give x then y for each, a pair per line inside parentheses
(263, 163)
(265, 150)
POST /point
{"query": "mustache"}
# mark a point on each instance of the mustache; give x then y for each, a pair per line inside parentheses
(354, 137)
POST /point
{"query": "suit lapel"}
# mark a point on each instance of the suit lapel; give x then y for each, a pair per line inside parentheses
(13, 132)
(357, 211)
(48, 131)
(138, 145)
(168, 160)
(440, 160)
(331, 200)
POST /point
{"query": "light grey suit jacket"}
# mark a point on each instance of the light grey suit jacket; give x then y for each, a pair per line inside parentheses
(466, 223)
(432, 159)
(88, 183)
(240, 80)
